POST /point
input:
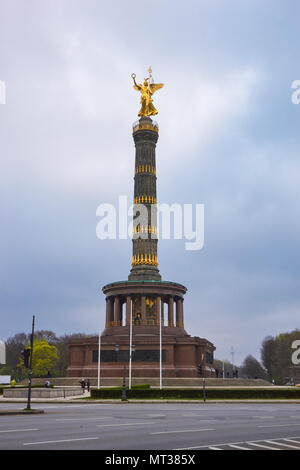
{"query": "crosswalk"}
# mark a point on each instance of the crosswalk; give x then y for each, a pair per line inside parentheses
(290, 443)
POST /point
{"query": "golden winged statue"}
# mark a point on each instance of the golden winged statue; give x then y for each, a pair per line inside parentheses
(147, 90)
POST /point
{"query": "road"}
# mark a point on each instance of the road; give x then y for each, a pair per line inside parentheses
(131, 426)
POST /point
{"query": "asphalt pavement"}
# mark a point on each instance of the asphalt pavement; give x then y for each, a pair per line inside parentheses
(141, 426)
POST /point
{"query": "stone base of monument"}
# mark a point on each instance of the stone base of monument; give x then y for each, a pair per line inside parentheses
(181, 354)
(167, 382)
(60, 392)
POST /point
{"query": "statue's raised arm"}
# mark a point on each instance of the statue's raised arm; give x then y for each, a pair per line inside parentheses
(136, 86)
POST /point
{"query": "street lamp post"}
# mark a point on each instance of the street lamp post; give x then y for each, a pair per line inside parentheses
(130, 349)
(124, 397)
(232, 360)
(30, 367)
(99, 358)
(131, 353)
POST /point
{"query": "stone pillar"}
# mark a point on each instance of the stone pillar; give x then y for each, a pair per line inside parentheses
(107, 318)
(117, 315)
(171, 311)
(128, 310)
(162, 312)
(121, 313)
(182, 313)
(158, 301)
(109, 311)
(179, 313)
(143, 310)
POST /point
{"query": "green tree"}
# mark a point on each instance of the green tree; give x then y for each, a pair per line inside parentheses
(16, 344)
(45, 358)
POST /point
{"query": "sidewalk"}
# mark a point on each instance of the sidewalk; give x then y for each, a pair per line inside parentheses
(82, 400)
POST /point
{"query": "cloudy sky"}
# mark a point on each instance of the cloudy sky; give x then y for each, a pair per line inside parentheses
(229, 139)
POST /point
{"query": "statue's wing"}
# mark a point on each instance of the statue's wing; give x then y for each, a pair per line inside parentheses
(155, 86)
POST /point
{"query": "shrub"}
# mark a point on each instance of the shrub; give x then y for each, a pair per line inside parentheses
(197, 394)
(133, 387)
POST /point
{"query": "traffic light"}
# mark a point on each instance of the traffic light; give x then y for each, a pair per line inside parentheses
(26, 356)
(199, 367)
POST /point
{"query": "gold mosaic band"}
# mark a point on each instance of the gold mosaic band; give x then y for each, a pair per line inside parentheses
(144, 259)
(145, 126)
(145, 169)
(145, 199)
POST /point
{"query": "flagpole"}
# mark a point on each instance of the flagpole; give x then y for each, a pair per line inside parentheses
(99, 357)
(160, 350)
(130, 348)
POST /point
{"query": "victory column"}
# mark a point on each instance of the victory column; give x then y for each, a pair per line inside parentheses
(135, 309)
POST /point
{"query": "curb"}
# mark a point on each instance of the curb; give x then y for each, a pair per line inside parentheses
(21, 412)
(149, 401)
(196, 402)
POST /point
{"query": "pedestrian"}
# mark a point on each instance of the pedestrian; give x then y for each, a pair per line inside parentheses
(47, 384)
(88, 385)
(82, 383)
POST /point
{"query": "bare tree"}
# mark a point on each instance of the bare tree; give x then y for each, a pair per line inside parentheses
(253, 369)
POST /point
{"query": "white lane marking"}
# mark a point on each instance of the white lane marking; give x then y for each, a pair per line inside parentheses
(239, 447)
(290, 439)
(71, 406)
(261, 445)
(264, 417)
(155, 416)
(206, 418)
(82, 419)
(125, 424)
(183, 430)
(57, 442)
(214, 448)
(277, 425)
(200, 421)
(19, 430)
(284, 445)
